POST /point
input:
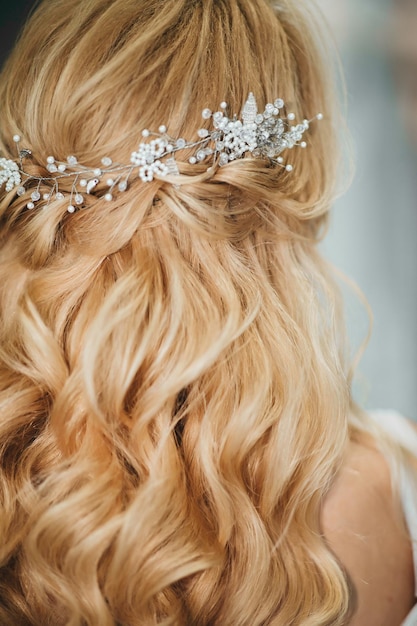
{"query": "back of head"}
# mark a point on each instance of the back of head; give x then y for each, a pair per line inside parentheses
(173, 397)
(87, 78)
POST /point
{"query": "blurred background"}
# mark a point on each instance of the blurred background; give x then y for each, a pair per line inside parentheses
(373, 235)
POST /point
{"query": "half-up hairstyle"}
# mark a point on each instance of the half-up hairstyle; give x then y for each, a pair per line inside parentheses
(173, 392)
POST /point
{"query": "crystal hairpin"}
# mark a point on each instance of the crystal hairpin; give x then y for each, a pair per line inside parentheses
(263, 135)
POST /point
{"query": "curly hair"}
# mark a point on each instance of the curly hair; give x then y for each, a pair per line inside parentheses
(173, 385)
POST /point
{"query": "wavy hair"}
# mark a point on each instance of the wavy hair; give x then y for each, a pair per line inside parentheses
(173, 386)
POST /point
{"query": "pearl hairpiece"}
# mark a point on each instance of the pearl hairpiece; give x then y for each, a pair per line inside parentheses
(264, 135)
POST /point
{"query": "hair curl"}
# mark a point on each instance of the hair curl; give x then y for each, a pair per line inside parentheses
(173, 391)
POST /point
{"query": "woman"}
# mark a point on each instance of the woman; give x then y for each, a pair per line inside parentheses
(178, 440)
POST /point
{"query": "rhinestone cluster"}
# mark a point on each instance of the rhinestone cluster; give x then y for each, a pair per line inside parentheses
(9, 174)
(264, 135)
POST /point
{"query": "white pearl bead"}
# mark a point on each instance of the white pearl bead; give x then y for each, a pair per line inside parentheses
(162, 129)
(223, 105)
(192, 160)
(61, 168)
(303, 144)
(83, 182)
(16, 138)
(97, 172)
(110, 182)
(30, 205)
(71, 209)
(291, 116)
(108, 197)
(320, 116)
(50, 159)
(145, 133)
(289, 168)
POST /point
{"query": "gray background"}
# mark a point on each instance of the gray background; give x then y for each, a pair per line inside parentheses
(373, 234)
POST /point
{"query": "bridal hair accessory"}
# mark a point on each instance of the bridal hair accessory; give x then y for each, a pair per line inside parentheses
(263, 135)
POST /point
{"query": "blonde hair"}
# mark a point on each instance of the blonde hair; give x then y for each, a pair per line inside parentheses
(173, 392)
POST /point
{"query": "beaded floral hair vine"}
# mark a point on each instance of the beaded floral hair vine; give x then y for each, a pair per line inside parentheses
(264, 135)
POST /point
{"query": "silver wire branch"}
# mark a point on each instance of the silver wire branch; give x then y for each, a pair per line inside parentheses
(262, 135)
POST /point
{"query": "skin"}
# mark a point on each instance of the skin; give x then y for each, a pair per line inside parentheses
(362, 523)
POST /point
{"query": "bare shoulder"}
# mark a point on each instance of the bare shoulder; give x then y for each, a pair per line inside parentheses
(362, 524)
